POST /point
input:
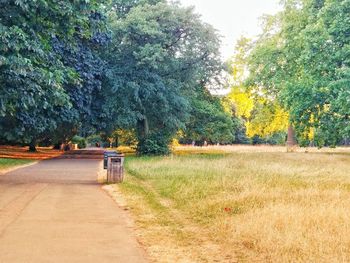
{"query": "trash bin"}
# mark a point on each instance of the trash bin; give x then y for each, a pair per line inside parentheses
(115, 169)
(107, 154)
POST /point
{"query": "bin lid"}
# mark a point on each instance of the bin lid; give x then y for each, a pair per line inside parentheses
(110, 152)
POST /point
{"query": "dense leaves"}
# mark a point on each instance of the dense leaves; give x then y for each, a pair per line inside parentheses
(208, 122)
(260, 113)
(303, 59)
(160, 53)
(34, 102)
(84, 67)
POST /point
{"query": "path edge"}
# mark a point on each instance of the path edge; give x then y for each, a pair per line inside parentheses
(115, 194)
(8, 170)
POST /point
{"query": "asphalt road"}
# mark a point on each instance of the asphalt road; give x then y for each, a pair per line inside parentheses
(54, 211)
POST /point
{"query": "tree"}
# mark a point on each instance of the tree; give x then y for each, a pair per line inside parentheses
(208, 121)
(82, 54)
(302, 58)
(33, 101)
(88, 67)
(160, 53)
(259, 111)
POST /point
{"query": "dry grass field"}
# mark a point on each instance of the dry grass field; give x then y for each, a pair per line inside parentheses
(242, 204)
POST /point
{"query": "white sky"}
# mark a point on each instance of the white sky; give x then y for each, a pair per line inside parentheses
(233, 18)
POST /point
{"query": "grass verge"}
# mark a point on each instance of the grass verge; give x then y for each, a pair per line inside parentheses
(6, 163)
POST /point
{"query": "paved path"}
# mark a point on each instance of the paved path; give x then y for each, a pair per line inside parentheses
(54, 211)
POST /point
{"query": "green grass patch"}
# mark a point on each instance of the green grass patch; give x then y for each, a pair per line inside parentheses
(8, 163)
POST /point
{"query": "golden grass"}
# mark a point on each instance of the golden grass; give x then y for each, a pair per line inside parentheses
(256, 204)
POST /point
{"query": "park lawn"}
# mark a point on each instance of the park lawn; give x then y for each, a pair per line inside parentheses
(242, 206)
(6, 163)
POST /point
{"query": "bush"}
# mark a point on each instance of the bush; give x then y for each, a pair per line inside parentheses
(155, 144)
(106, 144)
(256, 139)
(278, 138)
(93, 139)
(82, 144)
(80, 141)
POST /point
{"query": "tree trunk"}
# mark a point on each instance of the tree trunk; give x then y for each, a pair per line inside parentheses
(146, 126)
(116, 139)
(32, 146)
(291, 140)
(57, 146)
(143, 128)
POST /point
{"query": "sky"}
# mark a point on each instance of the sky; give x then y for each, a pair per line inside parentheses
(233, 18)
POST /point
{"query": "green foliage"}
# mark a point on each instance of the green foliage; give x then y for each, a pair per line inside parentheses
(253, 107)
(240, 131)
(277, 138)
(208, 121)
(94, 139)
(125, 137)
(88, 67)
(80, 141)
(302, 59)
(160, 52)
(154, 144)
(34, 101)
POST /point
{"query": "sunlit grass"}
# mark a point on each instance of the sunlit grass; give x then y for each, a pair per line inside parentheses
(242, 206)
(8, 163)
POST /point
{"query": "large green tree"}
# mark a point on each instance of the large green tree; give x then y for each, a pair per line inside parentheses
(208, 120)
(161, 52)
(83, 67)
(303, 59)
(33, 76)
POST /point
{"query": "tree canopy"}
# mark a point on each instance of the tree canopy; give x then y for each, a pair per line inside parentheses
(39, 81)
(302, 58)
(258, 110)
(147, 66)
(83, 67)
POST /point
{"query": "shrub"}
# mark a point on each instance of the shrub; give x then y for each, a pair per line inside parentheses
(278, 138)
(82, 144)
(93, 139)
(154, 144)
(80, 141)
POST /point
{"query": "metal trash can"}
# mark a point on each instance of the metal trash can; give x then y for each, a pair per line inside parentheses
(107, 154)
(115, 170)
